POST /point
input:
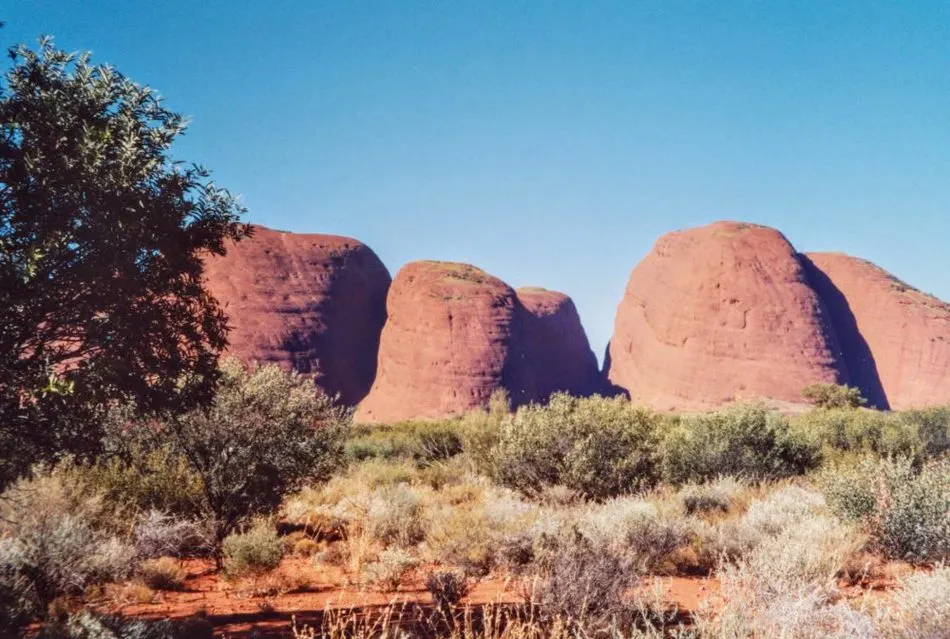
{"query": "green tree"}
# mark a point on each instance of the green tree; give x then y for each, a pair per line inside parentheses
(825, 395)
(102, 237)
(265, 433)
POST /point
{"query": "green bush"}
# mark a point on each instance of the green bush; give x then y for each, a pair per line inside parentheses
(744, 441)
(597, 446)
(146, 479)
(252, 553)
(833, 396)
(918, 435)
(423, 442)
(906, 510)
(265, 434)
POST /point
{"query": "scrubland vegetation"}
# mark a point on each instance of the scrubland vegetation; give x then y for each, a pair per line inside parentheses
(575, 506)
(127, 449)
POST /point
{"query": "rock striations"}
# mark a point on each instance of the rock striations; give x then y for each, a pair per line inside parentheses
(896, 339)
(455, 334)
(719, 313)
(314, 303)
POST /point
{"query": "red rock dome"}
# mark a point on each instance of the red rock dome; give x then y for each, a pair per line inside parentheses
(720, 313)
(314, 303)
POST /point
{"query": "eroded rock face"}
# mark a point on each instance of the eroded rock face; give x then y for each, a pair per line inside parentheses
(455, 334)
(446, 343)
(896, 339)
(554, 347)
(313, 303)
(720, 313)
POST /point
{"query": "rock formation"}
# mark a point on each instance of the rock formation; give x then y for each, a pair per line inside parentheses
(719, 313)
(554, 346)
(445, 344)
(455, 334)
(314, 303)
(896, 340)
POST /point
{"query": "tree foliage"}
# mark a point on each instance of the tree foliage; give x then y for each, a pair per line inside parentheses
(102, 236)
(264, 434)
(825, 395)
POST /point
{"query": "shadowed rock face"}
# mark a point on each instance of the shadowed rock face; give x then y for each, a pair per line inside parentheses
(455, 334)
(313, 303)
(896, 339)
(719, 313)
(555, 348)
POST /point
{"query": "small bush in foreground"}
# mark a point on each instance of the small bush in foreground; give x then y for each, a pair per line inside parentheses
(596, 446)
(164, 573)
(743, 441)
(580, 582)
(264, 435)
(252, 553)
(906, 511)
(716, 496)
(389, 570)
(51, 546)
(158, 534)
(447, 587)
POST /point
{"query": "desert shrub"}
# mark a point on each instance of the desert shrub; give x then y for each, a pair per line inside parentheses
(580, 582)
(715, 496)
(447, 587)
(907, 511)
(931, 427)
(18, 602)
(915, 515)
(852, 490)
(480, 430)
(395, 516)
(843, 434)
(252, 553)
(423, 442)
(920, 607)
(143, 477)
(88, 625)
(729, 540)
(164, 573)
(389, 569)
(264, 435)
(825, 395)
(305, 547)
(848, 433)
(478, 534)
(745, 440)
(52, 545)
(158, 534)
(599, 447)
(635, 529)
(784, 583)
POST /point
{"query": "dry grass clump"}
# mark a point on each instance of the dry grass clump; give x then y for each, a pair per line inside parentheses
(389, 569)
(164, 573)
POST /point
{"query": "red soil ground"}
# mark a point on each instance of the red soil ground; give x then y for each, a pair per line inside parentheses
(310, 593)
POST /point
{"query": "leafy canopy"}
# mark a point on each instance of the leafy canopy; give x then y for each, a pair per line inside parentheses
(102, 236)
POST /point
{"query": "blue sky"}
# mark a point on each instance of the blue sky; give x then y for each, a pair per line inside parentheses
(550, 143)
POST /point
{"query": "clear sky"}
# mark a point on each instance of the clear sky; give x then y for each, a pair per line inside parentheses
(551, 142)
